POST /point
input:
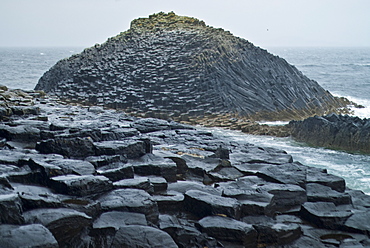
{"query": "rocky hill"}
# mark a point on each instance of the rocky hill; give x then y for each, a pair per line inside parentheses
(176, 65)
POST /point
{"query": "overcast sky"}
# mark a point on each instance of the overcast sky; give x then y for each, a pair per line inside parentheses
(266, 23)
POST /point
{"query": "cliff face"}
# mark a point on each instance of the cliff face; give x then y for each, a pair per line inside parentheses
(172, 64)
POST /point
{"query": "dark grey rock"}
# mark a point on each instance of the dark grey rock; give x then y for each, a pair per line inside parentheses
(100, 161)
(359, 222)
(22, 133)
(185, 234)
(334, 131)
(25, 110)
(80, 185)
(69, 147)
(317, 192)
(272, 232)
(150, 164)
(228, 229)
(117, 219)
(260, 156)
(147, 125)
(360, 200)
(131, 200)
(204, 204)
(10, 157)
(159, 183)
(11, 209)
(66, 225)
(32, 236)
(142, 236)
(116, 171)
(135, 183)
(128, 148)
(74, 166)
(118, 133)
(325, 214)
(284, 173)
(334, 182)
(287, 197)
(36, 197)
(169, 201)
(252, 201)
(106, 226)
(183, 186)
(47, 169)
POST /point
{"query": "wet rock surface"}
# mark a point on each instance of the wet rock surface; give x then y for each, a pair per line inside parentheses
(334, 131)
(171, 186)
(174, 66)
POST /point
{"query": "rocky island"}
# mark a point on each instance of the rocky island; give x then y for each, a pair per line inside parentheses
(177, 67)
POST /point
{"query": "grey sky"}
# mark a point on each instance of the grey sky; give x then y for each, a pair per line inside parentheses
(266, 23)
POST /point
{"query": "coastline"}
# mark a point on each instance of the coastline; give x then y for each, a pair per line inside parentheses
(108, 159)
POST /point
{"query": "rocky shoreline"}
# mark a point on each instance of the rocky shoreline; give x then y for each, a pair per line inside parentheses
(75, 176)
(334, 131)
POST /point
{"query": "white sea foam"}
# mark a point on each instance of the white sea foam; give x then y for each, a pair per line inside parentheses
(354, 168)
(360, 112)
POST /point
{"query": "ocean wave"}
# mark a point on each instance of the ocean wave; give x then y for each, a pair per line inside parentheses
(360, 112)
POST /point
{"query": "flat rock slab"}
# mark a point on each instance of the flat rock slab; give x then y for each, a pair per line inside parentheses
(318, 192)
(74, 166)
(65, 224)
(272, 232)
(252, 200)
(147, 125)
(169, 201)
(204, 204)
(130, 200)
(287, 197)
(80, 185)
(184, 233)
(135, 183)
(117, 219)
(129, 148)
(289, 173)
(260, 156)
(32, 236)
(103, 160)
(332, 181)
(325, 214)
(11, 209)
(116, 171)
(142, 236)
(159, 183)
(79, 147)
(228, 229)
(150, 164)
(359, 222)
(183, 186)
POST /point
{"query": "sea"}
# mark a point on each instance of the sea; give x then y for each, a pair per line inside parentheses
(344, 71)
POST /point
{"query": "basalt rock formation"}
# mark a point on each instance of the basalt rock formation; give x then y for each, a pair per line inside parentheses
(334, 131)
(94, 177)
(177, 65)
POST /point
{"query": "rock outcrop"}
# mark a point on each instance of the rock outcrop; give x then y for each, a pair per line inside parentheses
(169, 65)
(160, 184)
(334, 131)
